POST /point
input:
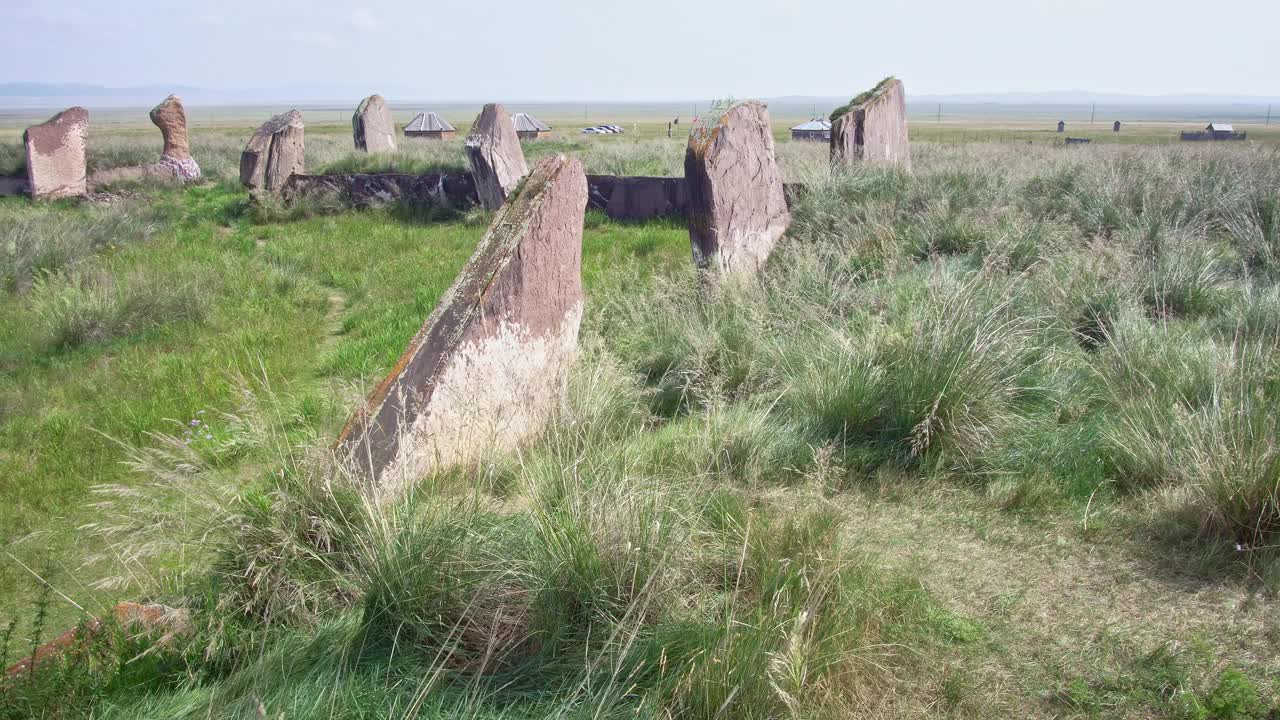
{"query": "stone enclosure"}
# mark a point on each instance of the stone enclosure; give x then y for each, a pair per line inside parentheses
(489, 367)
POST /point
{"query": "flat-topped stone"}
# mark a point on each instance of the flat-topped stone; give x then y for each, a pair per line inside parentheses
(873, 127)
(371, 126)
(56, 155)
(274, 153)
(494, 153)
(737, 209)
(491, 363)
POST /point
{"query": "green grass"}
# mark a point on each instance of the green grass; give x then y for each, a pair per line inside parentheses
(1045, 341)
(209, 298)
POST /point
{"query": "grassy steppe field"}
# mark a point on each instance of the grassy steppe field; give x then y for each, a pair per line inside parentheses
(995, 438)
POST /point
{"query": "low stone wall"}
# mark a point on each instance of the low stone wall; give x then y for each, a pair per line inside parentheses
(444, 190)
(621, 197)
(13, 185)
(637, 197)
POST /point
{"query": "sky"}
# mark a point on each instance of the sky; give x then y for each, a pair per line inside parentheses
(647, 49)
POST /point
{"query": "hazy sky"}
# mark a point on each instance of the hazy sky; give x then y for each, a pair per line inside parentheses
(648, 49)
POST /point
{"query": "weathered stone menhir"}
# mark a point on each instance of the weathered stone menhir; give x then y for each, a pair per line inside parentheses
(736, 205)
(56, 155)
(494, 153)
(171, 118)
(371, 126)
(274, 153)
(491, 364)
(873, 127)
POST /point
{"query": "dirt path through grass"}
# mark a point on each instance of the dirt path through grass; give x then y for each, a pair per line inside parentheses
(1056, 608)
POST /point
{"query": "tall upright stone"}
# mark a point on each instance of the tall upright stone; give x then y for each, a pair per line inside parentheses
(736, 206)
(372, 127)
(275, 152)
(171, 118)
(493, 151)
(56, 155)
(491, 363)
(873, 127)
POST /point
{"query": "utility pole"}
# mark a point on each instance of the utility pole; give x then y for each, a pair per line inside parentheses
(939, 113)
(1093, 113)
(1268, 114)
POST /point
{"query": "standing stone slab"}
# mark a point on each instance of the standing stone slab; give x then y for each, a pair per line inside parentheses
(372, 127)
(493, 150)
(55, 155)
(171, 118)
(736, 205)
(491, 364)
(274, 153)
(873, 127)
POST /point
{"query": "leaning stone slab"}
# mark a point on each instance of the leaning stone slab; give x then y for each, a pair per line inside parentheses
(372, 127)
(493, 150)
(737, 209)
(56, 155)
(491, 364)
(171, 118)
(274, 153)
(873, 127)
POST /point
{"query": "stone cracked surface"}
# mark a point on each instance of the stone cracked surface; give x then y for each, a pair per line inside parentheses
(874, 130)
(56, 155)
(496, 158)
(737, 209)
(371, 126)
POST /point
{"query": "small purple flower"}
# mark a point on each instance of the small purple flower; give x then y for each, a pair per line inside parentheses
(194, 422)
(208, 437)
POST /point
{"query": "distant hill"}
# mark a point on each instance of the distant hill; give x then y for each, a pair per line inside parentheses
(36, 90)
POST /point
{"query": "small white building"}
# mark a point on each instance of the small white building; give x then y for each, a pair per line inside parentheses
(429, 125)
(529, 127)
(815, 129)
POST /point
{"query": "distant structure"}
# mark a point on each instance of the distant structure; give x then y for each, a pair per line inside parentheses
(1116, 127)
(1062, 126)
(816, 129)
(430, 126)
(529, 127)
(1078, 141)
(1215, 131)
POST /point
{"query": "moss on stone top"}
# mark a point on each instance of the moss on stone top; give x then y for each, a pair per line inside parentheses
(862, 99)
